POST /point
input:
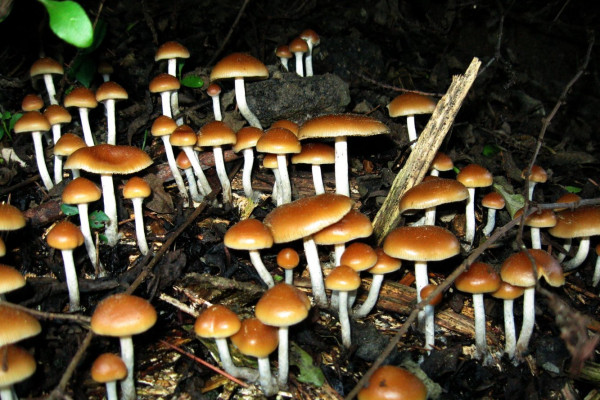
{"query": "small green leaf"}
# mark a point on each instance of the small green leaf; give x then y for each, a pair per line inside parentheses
(573, 189)
(130, 26)
(278, 278)
(490, 150)
(103, 238)
(309, 373)
(192, 81)
(13, 120)
(69, 210)
(514, 202)
(97, 219)
(456, 170)
(69, 22)
(6, 115)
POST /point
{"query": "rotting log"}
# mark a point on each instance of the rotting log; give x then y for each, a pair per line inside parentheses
(424, 151)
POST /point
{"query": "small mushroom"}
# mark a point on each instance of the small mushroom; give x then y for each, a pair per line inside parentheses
(343, 280)
(109, 368)
(84, 99)
(137, 190)
(35, 123)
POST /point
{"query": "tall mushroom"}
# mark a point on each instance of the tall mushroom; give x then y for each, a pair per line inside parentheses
(35, 123)
(171, 51)
(84, 99)
(47, 67)
(183, 136)
(343, 279)
(473, 176)
(240, 66)
(340, 126)
(214, 90)
(246, 139)
(183, 162)
(537, 175)
(137, 190)
(312, 40)
(429, 310)
(66, 145)
(299, 46)
(508, 293)
(108, 93)
(408, 105)
(288, 259)
(57, 115)
(535, 221)
(579, 223)
(493, 201)
(315, 154)
(284, 54)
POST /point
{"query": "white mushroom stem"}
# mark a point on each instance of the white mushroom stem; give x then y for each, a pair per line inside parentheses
(339, 250)
(308, 60)
(479, 313)
(421, 280)
(76, 173)
(491, 222)
(85, 126)
(260, 268)
(111, 390)
(105, 77)
(318, 179)
(240, 98)
(50, 88)
(222, 174)
(39, 158)
(530, 192)
(71, 277)
(6, 393)
(289, 276)
(217, 108)
(430, 216)
(110, 209)
(267, 383)
(344, 319)
(528, 320)
(247, 174)
(88, 241)
(58, 169)
(434, 172)
(229, 366)
(277, 191)
(412, 130)
(429, 327)
(299, 63)
(203, 184)
(191, 178)
(596, 277)
(341, 166)
(567, 248)
(283, 357)
(139, 224)
(582, 252)
(510, 334)
(128, 384)
(536, 241)
(284, 63)
(470, 218)
(111, 123)
(371, 299)
(172, 70)
(166, 103)
(174, 170)
(316, 273)
(284, 178)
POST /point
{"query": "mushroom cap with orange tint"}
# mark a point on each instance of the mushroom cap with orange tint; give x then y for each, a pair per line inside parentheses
(474, 175)
(385, 264)
(164, 83)
(81, 97)
(479, 278)
(111, 91)
(67, 144)
(217, 322)
(32, 102)
(298, 45)
(518, 271)
(411, 104)
(287, 124)
(109, 159)
(65, 236)
(539, 219)
(239, 65)
(81, 190)
(427, 290)
(246, 138)
(359, 256)
(506, 291)
(421, 243)
(57, 115)
(288, 258)
(581, 222)
(136, 187)
(10, 279)
(278, 141)
(393, 383)
(538, 174)
(282, 305)
(11, 218)
(342, 278)
(17, 325)
(353, 225)
(20, 366)
(432, 193)
(215, 133)
(255, 338)
(315, 154)
(335, 125)
(493, 200)
(171, 49)
(108, 367)
(249, 234)
(46, 65)
(122, 315)
(32, 121)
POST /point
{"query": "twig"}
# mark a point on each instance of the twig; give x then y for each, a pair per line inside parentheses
(58, 391)
(231, 29)
(82, 319)
(392, 87)
(19, 185)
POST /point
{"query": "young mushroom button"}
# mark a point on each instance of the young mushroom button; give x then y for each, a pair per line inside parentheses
(109, 368)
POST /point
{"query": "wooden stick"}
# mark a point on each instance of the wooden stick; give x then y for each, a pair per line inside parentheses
(424, 152)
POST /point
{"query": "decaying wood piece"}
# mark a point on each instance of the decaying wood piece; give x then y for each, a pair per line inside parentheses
(424, 151)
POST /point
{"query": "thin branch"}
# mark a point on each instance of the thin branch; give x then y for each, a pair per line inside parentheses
(81, 319)
(392, 87)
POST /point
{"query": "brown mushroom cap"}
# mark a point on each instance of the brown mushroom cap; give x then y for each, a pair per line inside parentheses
(109, 159)
(31, 121)
(421, 243)
(517, 269)
(506, 291)
(432, 193)
(479, 278)
(46, 65)
(539, 219)
(315, 154)
(171, 50)
(283, 51)
(136, 187)
(288, 258)
(32, 102)
(249, 234)
(81, 190)
(215, 133)
(213, 90)
(247, 138)
(584, 221)
(298, 45)
(353, 225)
(310, 36)
(393, 383)
(359, 256)
(474, 175)
(217, 322)
(306, 216)
(11, 218)
(255, 338)
(111, 91)
(385, 264)
(162, 126)
(411, 104)
(287, 124)
(270, 161)
(108, 367)
(239, 65)
(81, 97)
(278, 141)
(182, 136)
(164, 83)
(123, 315)
(10, 278)
(65, 236)
(342, 278)
(427, 290)
(282, 305)
(67, 144)
(335, 125)
(21, 365)
(16, 325)
(538, 174)
(442, 162)
(57, 115)
(493, 200)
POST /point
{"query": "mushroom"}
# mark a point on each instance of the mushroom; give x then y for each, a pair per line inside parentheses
(288, 259)
(105, 69)
(340, 126)
(16, 325)
(214, 90)
(582, 222)
(82, 191)
(473, 176)
(246, 139)
(280, 141)
(123, 315)
(408, 105)
(218, 322)
(301, 219)
(19, 365)
(216, 134)
(390, 382)
(287, 124)
(165, 85)
(171, 51)
(183, 136)
(315, 154)
(258, 340)
(109, 368)
(66, 145)
(66, 237)
(537, 220)
(251, 235)
(537, 175)
(47, 67)
(84, 100)
(429, 315)
(360, 257)
(137, 190)
(108, 93)
(270, 162)
(299, 46)
(10, 279)
(441, 163)
(508, 293)
(282, 306)
(11, 218)
(32, 102)
(312, 40)
(34, 122)
(240, 66)
(284, 54)
(492, 201)
(343, 279)
(106, 160)
(183, 162)
(480, 278)
(566, 198)
(164, 126)
(56, 116)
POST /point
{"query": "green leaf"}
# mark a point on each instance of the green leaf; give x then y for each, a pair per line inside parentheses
(13, 120)
(97, 219)
(309, 373)
(573, 189)
(69, 22)
(83, 69)
(69, 210)
(6, 115)
(490, 150)
(514, 202)
(103, 238)
(192, 81)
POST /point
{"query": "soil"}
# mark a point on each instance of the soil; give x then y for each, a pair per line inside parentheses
(369, 53)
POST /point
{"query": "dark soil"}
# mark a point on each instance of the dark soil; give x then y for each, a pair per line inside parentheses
(368, 52)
